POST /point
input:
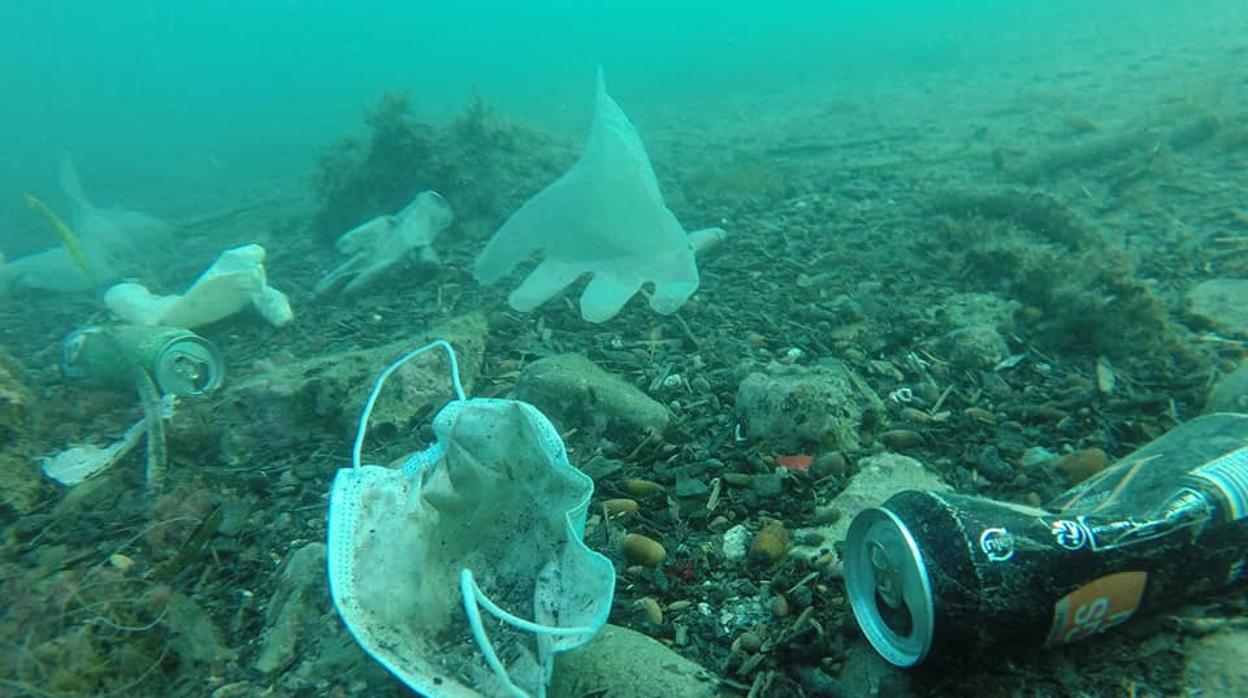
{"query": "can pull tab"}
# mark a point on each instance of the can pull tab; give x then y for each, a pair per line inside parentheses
(193, 370)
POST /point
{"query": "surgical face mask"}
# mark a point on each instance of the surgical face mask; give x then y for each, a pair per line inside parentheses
(463, 571)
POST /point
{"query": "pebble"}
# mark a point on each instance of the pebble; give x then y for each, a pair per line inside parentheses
(825, 515)
(719, 524)
(770, 543)
(833, 463)
(641, 550)
(642, 488)
(898, 439)
(652, 610)
(779, 606)
(618, 507)
(736, 542)
(749, 641)
(1083, 464)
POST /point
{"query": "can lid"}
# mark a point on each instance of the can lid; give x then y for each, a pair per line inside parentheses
(888, 587)
(188, 365)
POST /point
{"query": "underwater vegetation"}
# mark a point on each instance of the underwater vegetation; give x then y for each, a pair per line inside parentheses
(1082, 293)
(478, 160)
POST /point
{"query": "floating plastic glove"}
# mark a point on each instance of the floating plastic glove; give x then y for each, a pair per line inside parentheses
(378, 244)
(605, 216)
(233, 282)
(464, 571)
(111, 240)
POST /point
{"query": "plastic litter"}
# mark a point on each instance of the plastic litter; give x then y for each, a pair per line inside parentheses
(489, 518)
(78, 463)
(234, 281)
(605, 216)
(378, 244)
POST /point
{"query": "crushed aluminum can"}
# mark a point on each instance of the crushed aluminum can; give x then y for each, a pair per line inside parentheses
(178, 361)
(940, 575)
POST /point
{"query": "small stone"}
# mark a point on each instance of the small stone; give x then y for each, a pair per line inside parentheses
(651, 609)
(1083, 464)
(619, 507)
(825, 515)
(770, 543)
(690, 487)
(736, 542)
(767, 485)
(642, 550)
(749, 641)
(831, 463)
(719, 524)
(779, 606)
(1037, 456)
(642, 488)
(898, 439)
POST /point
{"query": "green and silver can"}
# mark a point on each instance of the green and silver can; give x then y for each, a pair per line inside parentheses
(177, 360)
(939, 574)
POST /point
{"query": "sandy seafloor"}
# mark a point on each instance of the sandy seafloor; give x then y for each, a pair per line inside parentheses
(843, 243)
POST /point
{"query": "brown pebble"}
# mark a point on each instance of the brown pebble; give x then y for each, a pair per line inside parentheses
(650, 607)
(770, 543)
(679, 606)
(737, 479)
(825, 515)
(1033, 499)
(618, 507)
(756, 339)
(1083, 464)
(915, 416)
(901, 438)
(779, 606)
(641, 550)
(749, 641)
(810, 539)
(980, 414)
(642, 488)
(834, 463)
(719, 524)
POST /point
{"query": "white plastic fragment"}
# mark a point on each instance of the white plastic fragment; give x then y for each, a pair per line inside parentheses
(234, 281)
(77, 463)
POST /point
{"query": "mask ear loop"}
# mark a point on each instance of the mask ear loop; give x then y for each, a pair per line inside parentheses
(381, 380)
(473, 596)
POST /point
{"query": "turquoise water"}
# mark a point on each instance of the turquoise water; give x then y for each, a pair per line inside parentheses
(175, 101)
(994, 236)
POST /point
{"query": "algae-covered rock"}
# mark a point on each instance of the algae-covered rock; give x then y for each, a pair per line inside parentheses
(575, 392)
(1223, 303)
(1230, 393)
(976, 324)
(623, 663)
(19, 474)
(797, 409)
(324, 395)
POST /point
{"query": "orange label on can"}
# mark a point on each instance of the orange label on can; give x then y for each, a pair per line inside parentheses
(1095, 606)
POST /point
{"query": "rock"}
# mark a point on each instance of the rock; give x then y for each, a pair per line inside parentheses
(804, 409)
(622, 663)
(1230, 393)
(1216, 665)
(1223, 303)
(1083, 464)
(295, 609)
(193, 635)
(19, 472)
(879, 477)
(289, 405)
(866, 673)
(736, 542)
(990, 464)
(575, 392)
(975, 324)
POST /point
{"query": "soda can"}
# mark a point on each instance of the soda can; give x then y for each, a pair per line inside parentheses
(177, 360)
(937, 574)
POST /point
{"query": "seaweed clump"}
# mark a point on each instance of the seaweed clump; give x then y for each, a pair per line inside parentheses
(483, 164)
(1081, 293)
